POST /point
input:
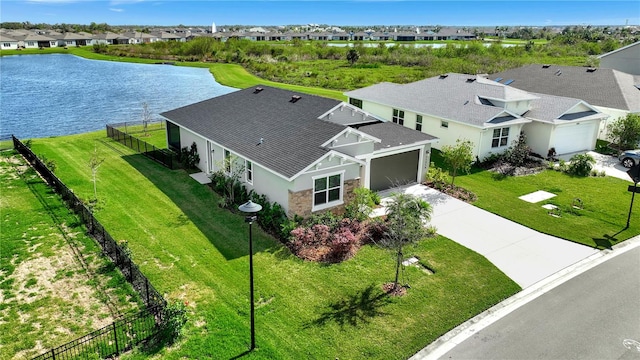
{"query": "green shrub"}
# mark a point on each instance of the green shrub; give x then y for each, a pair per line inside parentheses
(362, 204)
(581, 165)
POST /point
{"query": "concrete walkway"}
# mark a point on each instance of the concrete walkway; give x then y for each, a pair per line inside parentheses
(525, 255)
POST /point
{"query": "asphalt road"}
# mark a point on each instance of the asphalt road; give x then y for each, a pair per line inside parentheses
(595, 315)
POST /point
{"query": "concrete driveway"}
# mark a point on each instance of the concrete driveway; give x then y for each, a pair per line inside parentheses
(607, 163)
(525, 255)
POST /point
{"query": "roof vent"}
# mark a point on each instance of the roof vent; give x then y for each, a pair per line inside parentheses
(546, 66)
(591, 69)
(443, 76)
(295, 98)
(257, 90)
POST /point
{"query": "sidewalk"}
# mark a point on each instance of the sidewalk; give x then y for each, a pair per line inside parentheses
(524, 255)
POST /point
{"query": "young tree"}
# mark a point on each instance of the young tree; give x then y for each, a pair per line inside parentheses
(352, 56)
(459, 157)
(625, 132)
(146, 117)
(407, 217)
(94, 163)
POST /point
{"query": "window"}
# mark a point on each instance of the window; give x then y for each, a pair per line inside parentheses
(249, 170)
(355, 102)
(444, 124)
(6, 44)
(398, 116)
(419, 122)
(327, 190)
(500, 137)
(227, 161)
(31, 43)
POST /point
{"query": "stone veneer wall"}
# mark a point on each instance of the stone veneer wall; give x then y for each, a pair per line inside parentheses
(301, 202)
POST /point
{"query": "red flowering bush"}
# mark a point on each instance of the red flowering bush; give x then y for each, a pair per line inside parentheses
(333, 243)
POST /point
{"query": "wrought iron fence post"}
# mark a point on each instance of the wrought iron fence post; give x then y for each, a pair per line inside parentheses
(115, 336)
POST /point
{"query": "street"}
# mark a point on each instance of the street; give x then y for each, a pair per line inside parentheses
(595, 315)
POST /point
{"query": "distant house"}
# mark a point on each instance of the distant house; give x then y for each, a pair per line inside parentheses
(73, 39)
(137, 37)
(625, 59)
(489, 114)
(611, 92)
(305, 152)
(8, 43)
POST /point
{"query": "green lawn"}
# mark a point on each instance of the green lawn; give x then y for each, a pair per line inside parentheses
(196, 252)
(600, 224)
(50, 294)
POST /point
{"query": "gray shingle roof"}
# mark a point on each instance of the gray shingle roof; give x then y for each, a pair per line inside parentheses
(291, 131)
(393, 135)
(453, 97)
(603, 87)
(552, 109)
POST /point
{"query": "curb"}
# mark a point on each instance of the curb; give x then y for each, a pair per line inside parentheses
(448, 341)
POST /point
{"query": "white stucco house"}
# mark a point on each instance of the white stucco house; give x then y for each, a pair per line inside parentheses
(488, 113)
(612, 92)
(8, 43)
(305, 152)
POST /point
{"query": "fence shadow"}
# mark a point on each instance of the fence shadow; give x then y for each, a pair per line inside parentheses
(357, 308)
(199, 204)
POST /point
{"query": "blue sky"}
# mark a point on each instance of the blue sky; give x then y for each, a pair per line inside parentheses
(344, 12)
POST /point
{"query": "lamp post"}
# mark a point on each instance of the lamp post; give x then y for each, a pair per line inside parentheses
(250, 208)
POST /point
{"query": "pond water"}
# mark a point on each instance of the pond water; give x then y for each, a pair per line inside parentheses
(58, 94)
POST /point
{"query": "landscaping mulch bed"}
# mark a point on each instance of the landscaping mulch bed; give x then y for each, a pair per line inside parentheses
(506, 169)
(454, 190)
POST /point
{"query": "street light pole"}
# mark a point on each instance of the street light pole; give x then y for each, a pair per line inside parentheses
(251, 208)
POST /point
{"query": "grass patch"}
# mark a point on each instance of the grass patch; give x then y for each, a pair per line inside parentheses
(195, 252)
(599, 224)
(45, 298)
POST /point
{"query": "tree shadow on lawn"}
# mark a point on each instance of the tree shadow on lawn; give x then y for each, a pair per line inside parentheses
(226, 231)
(606, 241)
(357, 308)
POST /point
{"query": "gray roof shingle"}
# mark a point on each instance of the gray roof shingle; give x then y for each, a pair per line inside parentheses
(291, 131)
(393, 135)
(602, 87)
(453, 97)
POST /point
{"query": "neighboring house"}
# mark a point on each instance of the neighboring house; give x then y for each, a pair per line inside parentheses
(34, 41)
(489, 114)
(137, 37)
(612, 92)
(305, 152)
(110, 38)
(73, 39)
(8, 43)
(625, 59)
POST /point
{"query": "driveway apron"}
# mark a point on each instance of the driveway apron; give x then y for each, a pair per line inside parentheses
(525, 255)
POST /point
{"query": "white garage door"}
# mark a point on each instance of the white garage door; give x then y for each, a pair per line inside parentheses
(574, 137)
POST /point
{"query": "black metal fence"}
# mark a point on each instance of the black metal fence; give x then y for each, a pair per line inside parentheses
(121, 335)
(165, 157)
(152, 299)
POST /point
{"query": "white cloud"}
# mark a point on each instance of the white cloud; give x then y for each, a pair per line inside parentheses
(116, 10)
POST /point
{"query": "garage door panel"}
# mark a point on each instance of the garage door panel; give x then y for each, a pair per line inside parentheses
(389, 171)
(573, 138)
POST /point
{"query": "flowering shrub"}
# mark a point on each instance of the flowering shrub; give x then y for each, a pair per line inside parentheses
(330, 240)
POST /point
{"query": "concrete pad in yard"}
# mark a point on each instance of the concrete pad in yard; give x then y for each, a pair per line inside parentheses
(537, 196)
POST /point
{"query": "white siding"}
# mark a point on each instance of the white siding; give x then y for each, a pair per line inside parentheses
(538, 135)
(187, 138)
